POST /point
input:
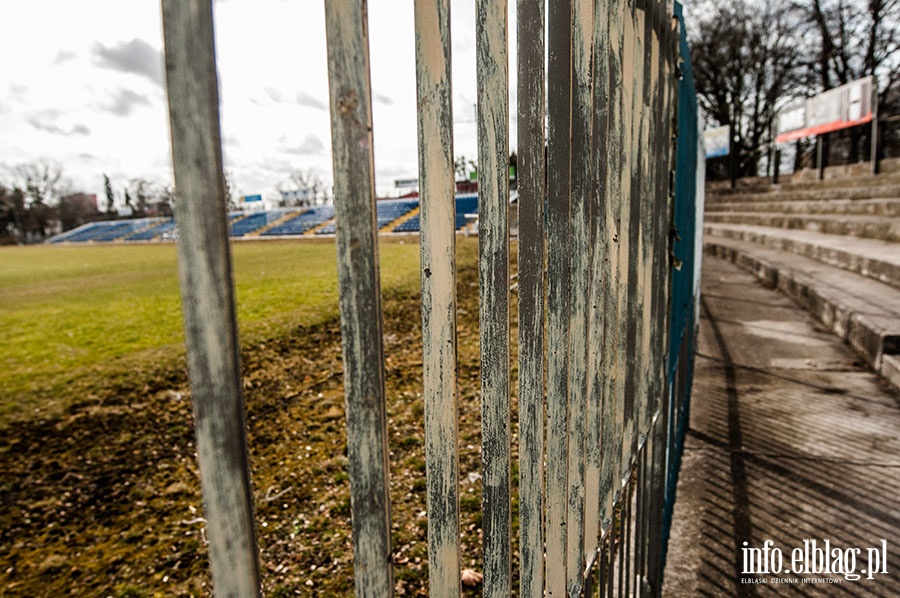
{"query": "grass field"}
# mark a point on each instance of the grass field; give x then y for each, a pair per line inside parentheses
(99, 488)
(67, 311)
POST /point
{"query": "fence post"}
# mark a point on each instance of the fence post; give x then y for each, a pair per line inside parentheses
(580, 268)
(438, 263)
(559, 108)
(597, 289)
(532, 187)
(207, 291)
(493, 256)
(360, 293)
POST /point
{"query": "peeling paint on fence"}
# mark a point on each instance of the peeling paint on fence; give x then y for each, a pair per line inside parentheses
(438, 264)
(600, 391)
(207, 292)
(360, 293)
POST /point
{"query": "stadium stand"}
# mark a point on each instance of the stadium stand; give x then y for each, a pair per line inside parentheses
(302, 222)
(153, 232)
(248, 224)
(833, 246)
(465, 204)
(393, 216)
(410, 226)
(391, 210)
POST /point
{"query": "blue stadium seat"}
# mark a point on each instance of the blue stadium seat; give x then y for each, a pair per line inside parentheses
(302, 222)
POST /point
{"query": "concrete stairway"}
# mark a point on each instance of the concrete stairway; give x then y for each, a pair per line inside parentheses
(832, 245)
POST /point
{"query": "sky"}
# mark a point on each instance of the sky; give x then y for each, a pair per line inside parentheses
(82, 84)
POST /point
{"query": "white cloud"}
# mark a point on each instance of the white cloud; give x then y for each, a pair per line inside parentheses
(91, 84)
(136, 57)
(311, 145)
(125, 101)
(304, 99)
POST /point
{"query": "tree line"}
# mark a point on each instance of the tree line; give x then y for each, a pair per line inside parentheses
(750, 59)
(38, 201)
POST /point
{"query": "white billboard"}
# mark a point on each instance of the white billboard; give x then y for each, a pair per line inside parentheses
(716, 141)
(839, 108)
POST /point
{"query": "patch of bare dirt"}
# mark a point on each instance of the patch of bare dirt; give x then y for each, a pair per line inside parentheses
(105, 500)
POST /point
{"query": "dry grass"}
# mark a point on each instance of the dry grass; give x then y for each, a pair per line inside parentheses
(101, 495)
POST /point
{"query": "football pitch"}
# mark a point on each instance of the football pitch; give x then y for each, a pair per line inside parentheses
(76, 311)
(98, 471)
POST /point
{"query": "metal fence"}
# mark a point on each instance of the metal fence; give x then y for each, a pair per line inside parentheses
(605, 328)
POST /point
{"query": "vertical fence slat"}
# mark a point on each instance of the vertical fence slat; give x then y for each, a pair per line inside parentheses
(624, 359)
(598, 165)
(207, 294)
(632, 213)
(610, 427)
(493, 248)
(360, 293)
(438, 246)
(559, 123)
(651, 323)
(580, 265)
(531, 183)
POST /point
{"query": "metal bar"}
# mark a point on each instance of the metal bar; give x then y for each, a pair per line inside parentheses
(580, 268)
(638, 225)
(628, 543)
(532, 191)
(360, 293)
(207, 291)
(438, 262)
(598, 276)
(627, 255)
(610, 435)
(493, 246)
(559, 187)
(874, 132)
(651, 360)
(669, 43)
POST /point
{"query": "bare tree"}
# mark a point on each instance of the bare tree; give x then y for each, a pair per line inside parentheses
(746, 64)
(143, 194)
(42, 181)
(77, 209)
(303, 188)
(110, 196)
(851, 39)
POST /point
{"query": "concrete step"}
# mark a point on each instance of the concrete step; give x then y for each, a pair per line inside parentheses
(879, 260)
(890, 190)
(855, 175)
(872, 207)
(862, 311)
(866, 227)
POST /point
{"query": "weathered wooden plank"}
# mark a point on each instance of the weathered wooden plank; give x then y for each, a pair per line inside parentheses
(633, 304)
(559, 126)
(626, 251)
(438, 247)
(598, 164)
(580, 266)
(360, 293)
(207, 291)
(643, 211)
(610, 434)
(532, 190)
(651, 323)
(493, 248)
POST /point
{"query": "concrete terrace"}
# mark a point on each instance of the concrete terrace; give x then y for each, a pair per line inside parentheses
(794, 429)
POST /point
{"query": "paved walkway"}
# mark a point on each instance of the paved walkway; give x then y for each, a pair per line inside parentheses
(790, 440)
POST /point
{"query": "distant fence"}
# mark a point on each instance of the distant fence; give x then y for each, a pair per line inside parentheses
(606, 295)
